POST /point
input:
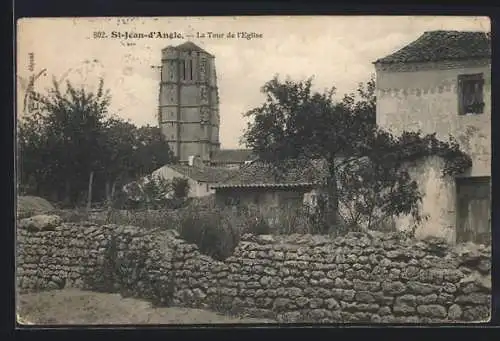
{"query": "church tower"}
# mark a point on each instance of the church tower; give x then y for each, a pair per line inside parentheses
(189, 102)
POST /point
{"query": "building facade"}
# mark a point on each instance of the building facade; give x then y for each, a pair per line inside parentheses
(189, 108)
(189, 101)
(441, 83)
(201, 178)
(231, 158)
(257, 184)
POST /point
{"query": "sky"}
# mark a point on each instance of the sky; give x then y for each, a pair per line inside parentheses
(336, 50)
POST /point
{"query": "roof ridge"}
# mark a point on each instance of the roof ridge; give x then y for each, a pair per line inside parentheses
(191, 45)
(427, 47)
(235, 174)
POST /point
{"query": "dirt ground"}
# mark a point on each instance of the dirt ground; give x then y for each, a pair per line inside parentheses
(84, 307)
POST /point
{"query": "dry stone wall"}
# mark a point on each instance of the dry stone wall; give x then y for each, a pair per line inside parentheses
(298, 278)
(360, 278)
(54, 257)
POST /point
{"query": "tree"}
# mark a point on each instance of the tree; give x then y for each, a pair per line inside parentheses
(64, 136)
(366, 165)
(154, 192)
(131, 152)
(118, 146)
(151, 150)
(74, 139)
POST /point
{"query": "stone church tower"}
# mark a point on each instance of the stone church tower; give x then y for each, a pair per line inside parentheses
(189, 102)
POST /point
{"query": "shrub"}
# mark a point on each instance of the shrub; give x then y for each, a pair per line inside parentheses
(283, 220)
(251, 220)
(153, 192)
(214, 232)
(147, 219)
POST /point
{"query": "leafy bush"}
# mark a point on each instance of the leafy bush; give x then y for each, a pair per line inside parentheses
(153, 192)
(215, 232)
(251, 220)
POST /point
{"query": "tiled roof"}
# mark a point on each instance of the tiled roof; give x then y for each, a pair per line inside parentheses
(203, 173)
(190, 46)
(443, 45)
(261, 174)
(231, 156)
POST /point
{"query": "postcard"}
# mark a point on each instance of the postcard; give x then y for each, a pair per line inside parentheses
(254, 170)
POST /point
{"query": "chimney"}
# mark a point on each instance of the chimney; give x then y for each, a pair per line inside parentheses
(195, 161)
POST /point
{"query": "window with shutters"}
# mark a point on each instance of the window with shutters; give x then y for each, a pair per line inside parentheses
(470, 94)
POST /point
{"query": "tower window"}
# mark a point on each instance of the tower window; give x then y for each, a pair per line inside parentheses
(183, 67)
(191, 69)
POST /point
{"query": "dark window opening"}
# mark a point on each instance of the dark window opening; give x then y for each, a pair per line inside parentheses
(470, 94)
(183, 67)
(191, 69)
(232, 201)
(171, 71)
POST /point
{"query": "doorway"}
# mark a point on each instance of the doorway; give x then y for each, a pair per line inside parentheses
(474, 210)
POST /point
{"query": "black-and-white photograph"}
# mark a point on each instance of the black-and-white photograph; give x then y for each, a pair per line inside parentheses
(253, 170)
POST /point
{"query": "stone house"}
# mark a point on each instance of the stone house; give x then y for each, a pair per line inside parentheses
(258, 184)
(441, 83)
(201, 178)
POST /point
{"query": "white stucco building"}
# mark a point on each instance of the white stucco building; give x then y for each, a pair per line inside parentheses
(441, 83)
(200, 177)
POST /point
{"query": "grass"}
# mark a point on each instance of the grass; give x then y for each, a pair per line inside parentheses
(71, 306)
(216, 231)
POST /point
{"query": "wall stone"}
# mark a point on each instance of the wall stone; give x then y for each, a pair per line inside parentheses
(298, 278)
(61, 256)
